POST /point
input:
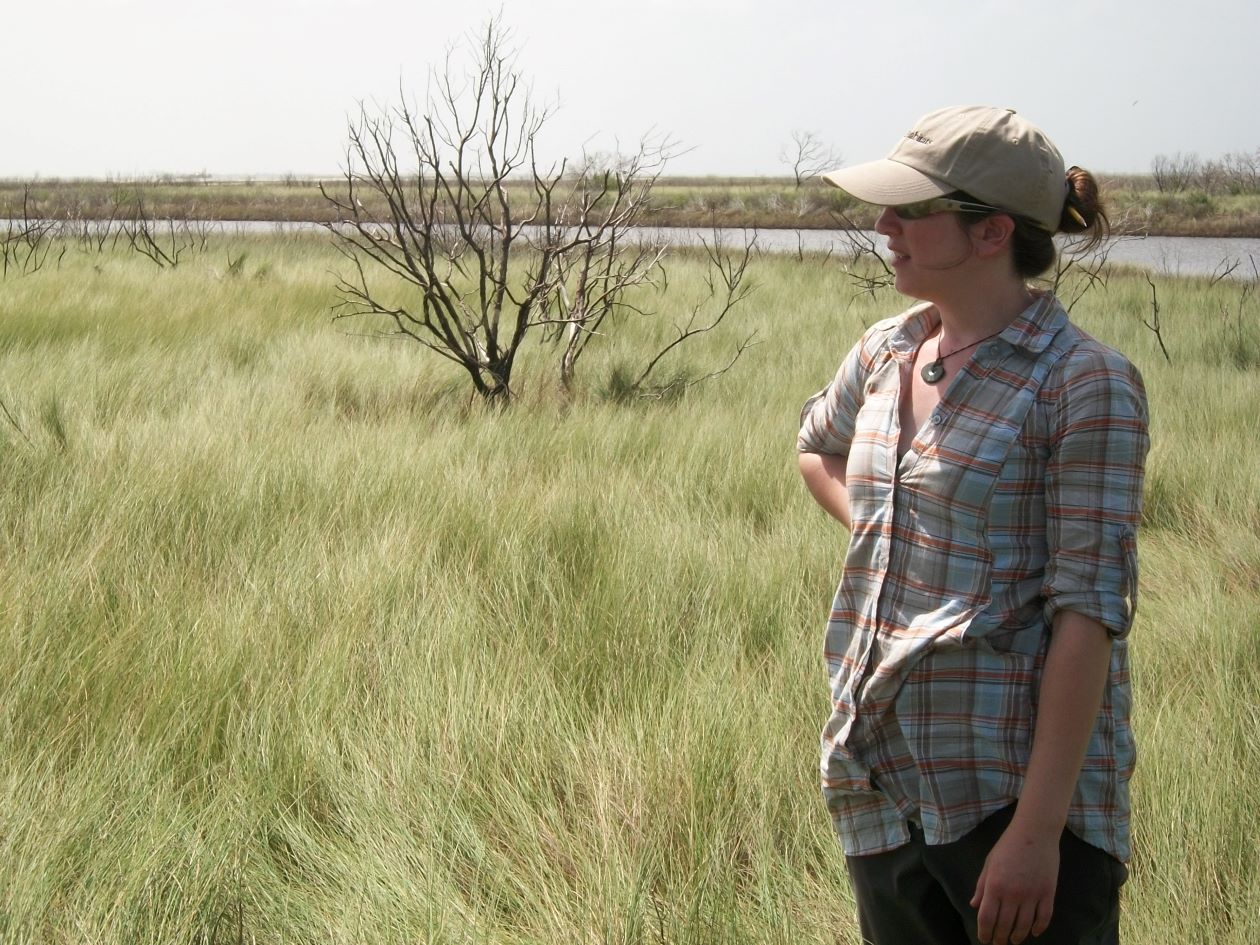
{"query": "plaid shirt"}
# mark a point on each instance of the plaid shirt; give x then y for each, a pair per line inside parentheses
(1019, 497)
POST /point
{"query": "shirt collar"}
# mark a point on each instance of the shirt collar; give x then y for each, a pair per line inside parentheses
(1033, 329)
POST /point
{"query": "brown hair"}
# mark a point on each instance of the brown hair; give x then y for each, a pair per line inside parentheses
(1032, 248)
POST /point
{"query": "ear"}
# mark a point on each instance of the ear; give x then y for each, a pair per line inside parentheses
(992, 235)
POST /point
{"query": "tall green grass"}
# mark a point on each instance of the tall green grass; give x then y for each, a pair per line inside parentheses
(302, 645)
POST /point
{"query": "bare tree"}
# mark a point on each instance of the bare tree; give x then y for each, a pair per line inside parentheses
(459, 236)
(91, 231)
(26, 242)
(437, 212)
(1235, 173)
(808, 156)
(1174, 173)
(163, 242)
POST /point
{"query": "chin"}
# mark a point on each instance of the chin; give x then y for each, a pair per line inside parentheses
(908, 286)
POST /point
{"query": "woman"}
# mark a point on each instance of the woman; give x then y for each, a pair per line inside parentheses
(987, 456)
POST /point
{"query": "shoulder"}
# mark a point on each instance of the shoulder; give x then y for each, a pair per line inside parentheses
(1085, 362)
(1093, 380)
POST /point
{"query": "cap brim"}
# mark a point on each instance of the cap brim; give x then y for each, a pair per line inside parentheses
(887, 183)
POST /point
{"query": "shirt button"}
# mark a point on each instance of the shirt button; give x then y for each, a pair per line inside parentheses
(938, 419)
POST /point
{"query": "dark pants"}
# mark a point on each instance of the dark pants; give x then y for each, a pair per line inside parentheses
(919, 894)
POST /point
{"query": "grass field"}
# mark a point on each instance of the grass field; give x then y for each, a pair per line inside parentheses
(301, 645)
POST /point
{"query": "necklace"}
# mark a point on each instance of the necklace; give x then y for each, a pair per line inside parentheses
(935, 370)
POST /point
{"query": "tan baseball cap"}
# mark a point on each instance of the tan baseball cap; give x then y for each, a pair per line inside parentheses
(990, 153)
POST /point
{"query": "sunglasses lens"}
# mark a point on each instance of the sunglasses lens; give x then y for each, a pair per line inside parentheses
(914, 211)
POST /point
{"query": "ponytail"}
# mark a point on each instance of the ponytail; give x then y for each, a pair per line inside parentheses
(1032, 248)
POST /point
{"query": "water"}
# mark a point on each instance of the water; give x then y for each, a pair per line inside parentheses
(1229, 257)
(1166, 255)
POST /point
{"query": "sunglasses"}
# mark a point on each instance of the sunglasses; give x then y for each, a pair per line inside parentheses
(925, 208)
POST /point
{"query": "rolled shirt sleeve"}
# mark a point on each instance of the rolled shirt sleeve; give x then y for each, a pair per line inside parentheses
(1094, 489)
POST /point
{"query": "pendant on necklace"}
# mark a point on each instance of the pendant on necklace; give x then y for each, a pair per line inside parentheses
(933, 372)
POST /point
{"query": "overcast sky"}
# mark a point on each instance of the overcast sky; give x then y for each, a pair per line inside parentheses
(264, 87)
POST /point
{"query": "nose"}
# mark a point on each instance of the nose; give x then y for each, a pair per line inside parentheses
(887, 222)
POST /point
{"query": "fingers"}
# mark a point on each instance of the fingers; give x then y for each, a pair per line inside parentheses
(1021, 922)
(978, 895)
(1015, 892)
(1045, 912)
(985, 906)
(988, 907)
(1008, 919)
(1007, 922)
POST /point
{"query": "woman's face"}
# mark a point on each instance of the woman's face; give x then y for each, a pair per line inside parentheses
(928, 254)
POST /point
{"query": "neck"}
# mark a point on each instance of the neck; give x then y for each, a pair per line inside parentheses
(980, 308)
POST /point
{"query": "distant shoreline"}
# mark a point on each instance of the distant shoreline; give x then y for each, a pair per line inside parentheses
(1135, 203)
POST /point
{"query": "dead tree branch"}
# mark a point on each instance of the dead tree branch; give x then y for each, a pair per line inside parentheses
(597, 256)
(1241, 347)
(1152, 323)
(1087, 271)
(866, 266)
(27, 243)
(8, 415)
(1224, 270)
(164, 242)
(726, 282)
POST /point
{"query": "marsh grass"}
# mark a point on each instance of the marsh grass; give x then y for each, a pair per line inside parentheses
(303, 645)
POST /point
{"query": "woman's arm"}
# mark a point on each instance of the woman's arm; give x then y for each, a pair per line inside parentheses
(1015, 892)
(1093, 507)
(824, 476)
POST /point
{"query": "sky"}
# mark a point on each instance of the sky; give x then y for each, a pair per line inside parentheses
(120, 88)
